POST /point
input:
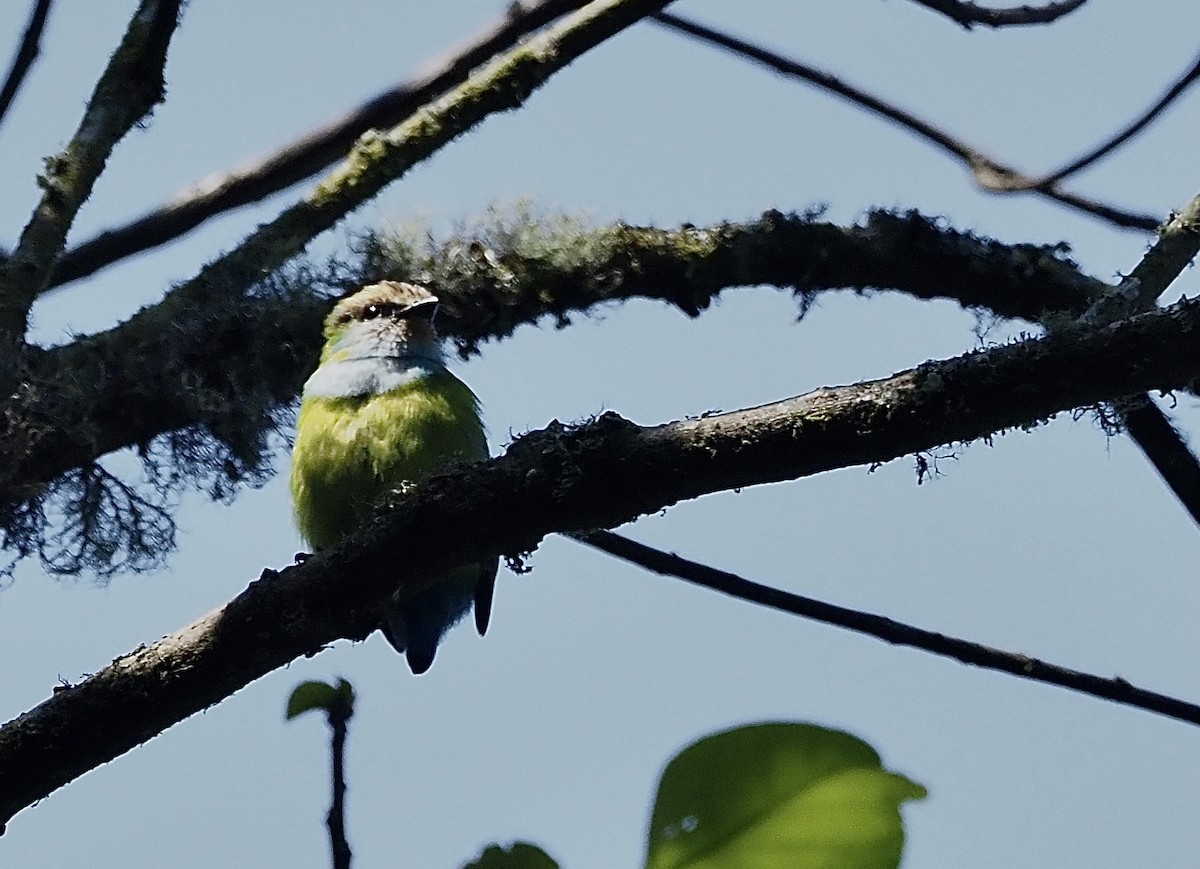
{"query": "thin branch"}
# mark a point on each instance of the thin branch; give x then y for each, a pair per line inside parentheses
(27, 53)
(131, 85)
(1116, 689)
(573, 478)
(335, 820)
(989, 174)
(306, 156)
(969, 14)
(1190, 77)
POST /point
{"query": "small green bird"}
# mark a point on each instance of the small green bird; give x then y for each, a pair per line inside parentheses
(382, 409)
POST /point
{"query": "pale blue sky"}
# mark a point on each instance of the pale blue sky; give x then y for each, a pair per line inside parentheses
(554, 728)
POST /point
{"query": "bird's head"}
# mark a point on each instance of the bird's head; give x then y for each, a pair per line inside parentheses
(385, 319)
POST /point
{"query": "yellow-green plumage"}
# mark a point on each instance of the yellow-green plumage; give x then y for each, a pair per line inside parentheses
(379, 411)
(355, 449)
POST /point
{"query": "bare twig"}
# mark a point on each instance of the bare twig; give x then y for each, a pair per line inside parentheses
(1180, 86)
(306, 156)
(335, 820)
(1115, 689)
(26, 54)
(572, 478)
(989, 174)
(131, 85)
(969, 14)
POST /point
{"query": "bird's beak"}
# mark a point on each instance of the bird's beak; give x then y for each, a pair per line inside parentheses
(424, 309)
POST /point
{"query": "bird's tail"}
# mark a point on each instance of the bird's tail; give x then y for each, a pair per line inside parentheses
(416, 626)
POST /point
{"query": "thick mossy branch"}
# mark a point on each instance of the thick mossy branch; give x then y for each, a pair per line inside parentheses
(131, 85)
(381, 157)
(571, 478)
(497, 276)
(199, 388)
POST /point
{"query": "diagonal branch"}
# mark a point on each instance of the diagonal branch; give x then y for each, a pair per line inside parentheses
(307, 156)
(27, 53)
(1116, 689)
(969, 14)
(130, 87)
(1165, 448)
(379, 158)
(1177, 245)
(1179, 87)
(564, 479)
(990, 174)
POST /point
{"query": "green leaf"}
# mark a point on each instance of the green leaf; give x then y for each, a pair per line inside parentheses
(521, 855)
(315, 694)
(776, 795)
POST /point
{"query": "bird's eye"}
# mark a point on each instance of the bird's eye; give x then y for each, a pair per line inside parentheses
(371, 312)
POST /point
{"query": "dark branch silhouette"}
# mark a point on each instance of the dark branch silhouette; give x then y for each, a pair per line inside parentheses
(574, 478)
(1116, 689)
(990, 174)
(969, 14)
(335, 820)
(128, 89)
(1178, 88)
(26, 54)
(1165, 448)
(306, 156)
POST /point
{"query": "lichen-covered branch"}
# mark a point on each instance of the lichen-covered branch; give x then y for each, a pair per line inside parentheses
(514, 272)
(1177, 245)
(381, 157)
(306, 156)
(224, 368)
(131, 85)
(572, 478)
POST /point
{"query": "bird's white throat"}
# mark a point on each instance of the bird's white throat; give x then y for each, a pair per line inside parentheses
(369, 375)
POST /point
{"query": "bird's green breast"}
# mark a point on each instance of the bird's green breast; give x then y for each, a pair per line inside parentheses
(350, 450)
